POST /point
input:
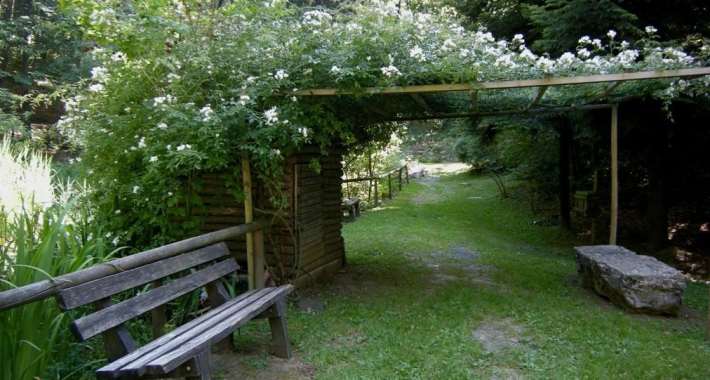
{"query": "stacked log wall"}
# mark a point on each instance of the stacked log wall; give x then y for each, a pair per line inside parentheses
(221, 210)
(305, 241)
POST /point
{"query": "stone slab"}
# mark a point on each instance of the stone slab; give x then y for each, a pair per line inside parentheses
(638, 283)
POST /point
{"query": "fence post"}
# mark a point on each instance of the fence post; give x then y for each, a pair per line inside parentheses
(389, 183)
(406, 172)
(400, 179)
(376, 192)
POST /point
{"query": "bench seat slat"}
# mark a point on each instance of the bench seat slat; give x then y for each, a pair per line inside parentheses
(157, 346)
(210, 328)
(102, 320)
(108, 286)
(198, 342)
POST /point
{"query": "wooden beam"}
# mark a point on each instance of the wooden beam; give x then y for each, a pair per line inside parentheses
(376, 110)
(259, 260)
(504, 113)
(608, 90)
(499, 85)
(614, 174)
(540, 94)
(474, 101)
(46, 288)
(248, 217)
(422, 103)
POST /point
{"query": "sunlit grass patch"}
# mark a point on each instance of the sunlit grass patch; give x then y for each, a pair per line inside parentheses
(26, 179)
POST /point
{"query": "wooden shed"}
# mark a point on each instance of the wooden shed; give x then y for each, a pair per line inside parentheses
(304, 242)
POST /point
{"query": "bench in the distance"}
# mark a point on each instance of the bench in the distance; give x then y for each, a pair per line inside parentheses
(184, 351)
(353, 208)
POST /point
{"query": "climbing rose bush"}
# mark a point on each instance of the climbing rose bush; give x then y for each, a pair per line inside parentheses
(183, 87)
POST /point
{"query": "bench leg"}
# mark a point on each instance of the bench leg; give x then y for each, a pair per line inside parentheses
(279, 331)
(201, 365)
(217, 294)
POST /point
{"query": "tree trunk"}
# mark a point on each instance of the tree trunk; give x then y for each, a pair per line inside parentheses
(565, 142)
(657, 211)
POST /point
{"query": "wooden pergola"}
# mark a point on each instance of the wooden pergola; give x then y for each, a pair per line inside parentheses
(528, 96)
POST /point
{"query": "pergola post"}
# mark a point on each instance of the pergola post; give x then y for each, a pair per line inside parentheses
(614, 173)
(248, 218)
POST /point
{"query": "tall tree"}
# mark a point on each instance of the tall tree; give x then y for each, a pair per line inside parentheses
(503, 19)
(39, 51)
(674, 19)
(561, 23)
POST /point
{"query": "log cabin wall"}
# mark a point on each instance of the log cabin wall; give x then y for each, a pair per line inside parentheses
(305, 243)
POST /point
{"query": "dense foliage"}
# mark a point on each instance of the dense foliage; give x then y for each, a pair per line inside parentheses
(184, 87)
(40, 51)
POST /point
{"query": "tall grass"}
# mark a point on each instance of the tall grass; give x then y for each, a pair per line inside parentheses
(25, 178)
(38, 240)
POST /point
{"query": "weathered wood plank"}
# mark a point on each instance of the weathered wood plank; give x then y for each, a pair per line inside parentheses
(159, 346)
(117, 341)
(311, 249)
(309, 181)
(108, 286)
(561, 81)
(92, 324)
(241, 313)
(313, 198)
(315, 202)
(306, 189)
(317, 262)
(47, 288)
(279, 331)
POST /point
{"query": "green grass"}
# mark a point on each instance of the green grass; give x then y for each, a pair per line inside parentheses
(448, 259)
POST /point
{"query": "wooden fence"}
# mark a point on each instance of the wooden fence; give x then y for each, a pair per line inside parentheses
(403, 175)
(47, 288)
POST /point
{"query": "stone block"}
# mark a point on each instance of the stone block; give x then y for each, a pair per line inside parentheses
(641, 284)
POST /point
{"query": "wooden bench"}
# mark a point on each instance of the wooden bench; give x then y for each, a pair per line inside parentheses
(353, 207)
(183, 352)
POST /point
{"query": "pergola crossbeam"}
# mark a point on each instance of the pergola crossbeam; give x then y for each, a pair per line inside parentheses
(376, 110)
(499, 85)
(504, 113)
(422, 103)
(608, 90)
(540, 94)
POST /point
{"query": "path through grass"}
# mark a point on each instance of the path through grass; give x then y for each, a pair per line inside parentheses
(448, 281)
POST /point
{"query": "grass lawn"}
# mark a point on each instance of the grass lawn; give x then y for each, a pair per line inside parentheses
(449, 281)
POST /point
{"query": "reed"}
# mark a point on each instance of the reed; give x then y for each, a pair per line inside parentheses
(38, 240)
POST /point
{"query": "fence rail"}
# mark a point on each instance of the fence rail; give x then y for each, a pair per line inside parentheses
(47, 288)
(376, 179)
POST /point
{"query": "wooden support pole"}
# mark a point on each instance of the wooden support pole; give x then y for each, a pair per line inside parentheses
(614, 173)
(369, 172)
(376, 192)
(400, 179)
(157, 315)
(389, 184)
(259, 260)
(248, 217)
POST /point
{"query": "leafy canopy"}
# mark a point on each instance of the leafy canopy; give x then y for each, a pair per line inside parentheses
(186, 87)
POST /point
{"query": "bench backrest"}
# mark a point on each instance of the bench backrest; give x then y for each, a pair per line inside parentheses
(112, 315)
